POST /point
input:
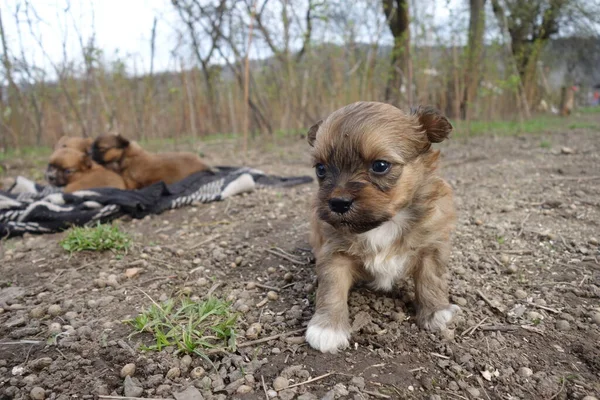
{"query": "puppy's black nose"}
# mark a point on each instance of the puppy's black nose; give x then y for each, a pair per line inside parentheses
(339, 205)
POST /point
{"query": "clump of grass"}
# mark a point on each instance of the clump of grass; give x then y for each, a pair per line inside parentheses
(545, 144)
(99, 238)
(192, 327)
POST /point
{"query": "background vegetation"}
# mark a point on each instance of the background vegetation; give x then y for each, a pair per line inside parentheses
(494, 59)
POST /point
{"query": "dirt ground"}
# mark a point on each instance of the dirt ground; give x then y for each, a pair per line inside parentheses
(525, 272)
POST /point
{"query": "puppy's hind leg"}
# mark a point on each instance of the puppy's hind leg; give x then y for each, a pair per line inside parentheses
(329, 328)
(434, 311)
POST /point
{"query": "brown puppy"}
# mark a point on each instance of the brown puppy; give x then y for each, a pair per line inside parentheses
(78, 143)
(76, 171)
(140, 168)
(381, 213)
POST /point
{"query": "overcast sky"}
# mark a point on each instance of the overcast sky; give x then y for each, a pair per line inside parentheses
(122, 26)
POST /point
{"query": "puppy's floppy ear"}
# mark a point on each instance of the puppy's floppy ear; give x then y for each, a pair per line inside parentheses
(121, 141)
(312, 133)
(434, 123)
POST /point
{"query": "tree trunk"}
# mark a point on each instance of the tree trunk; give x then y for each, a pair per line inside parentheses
(475, 48)
(396, 12)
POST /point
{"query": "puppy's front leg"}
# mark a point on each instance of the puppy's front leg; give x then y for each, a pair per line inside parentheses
(329, 328)
(431, 291)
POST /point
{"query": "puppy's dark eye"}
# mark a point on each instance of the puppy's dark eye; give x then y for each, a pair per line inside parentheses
(380, 167)
(320, 170)
(69, 171)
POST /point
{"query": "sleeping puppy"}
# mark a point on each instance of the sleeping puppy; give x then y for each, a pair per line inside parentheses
(381, 213)
(140, 168)
(78, 143)
(76, 171)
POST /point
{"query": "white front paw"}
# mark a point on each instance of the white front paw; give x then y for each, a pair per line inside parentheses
(327, 340)
(439, 319)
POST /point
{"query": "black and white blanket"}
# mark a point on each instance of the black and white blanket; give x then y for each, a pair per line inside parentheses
(29, 207)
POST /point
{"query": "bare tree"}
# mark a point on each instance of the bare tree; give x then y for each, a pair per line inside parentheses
(475, 47)
(397, 15)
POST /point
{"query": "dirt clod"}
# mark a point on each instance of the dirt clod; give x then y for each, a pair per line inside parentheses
(280, 383)
(128, 370)
(37, 393)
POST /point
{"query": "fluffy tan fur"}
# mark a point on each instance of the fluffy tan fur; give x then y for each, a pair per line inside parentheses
(140, 168)
(78, 143)
(75, 171)
(398, 224)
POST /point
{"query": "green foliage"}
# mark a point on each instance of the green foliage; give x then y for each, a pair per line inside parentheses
(545, 144)
(99, 238)
(189, 326)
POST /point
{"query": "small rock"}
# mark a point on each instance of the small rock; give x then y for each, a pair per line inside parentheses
(54, 310)
(398, 316)
(132, 272)
(520, 294)
(288, 277)
(473, 392)
(534, 315)
(131, 389)
(253, 331)
(271, 393)
(511, 269)
(202, 281)
(128, 370)
(307, 396)
(563, 325)
(251, 285)
(244, 389)
(197, 261)
(37, 393)
(525, 372)
(40, 363)
(340, 390)
(271, 295)
(589, 398)
(593, 241)
(504, 259)
(361, 320)
(596, 318)
(567, 150)
(359, 382)
(447, 334)
(453, 386)
(185, 362)
(487, 375)
(37, 312)
(280, 383)
(191, 393)
(239, 260)
(461, 301)
(287, 394)
(173, 373)
(197, 373)
(54, 328)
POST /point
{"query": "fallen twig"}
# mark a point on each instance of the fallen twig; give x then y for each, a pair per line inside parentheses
(132, 398)
(489, 302)
(499, 328)
(562, 386)
(21, 342)
(312, 380)
(575, 178)
(377, 394)
(210, 239)
(532, 329)
(523, 224)
(264, 386)
(260, 285)
(158, 260)
(552, 310)
(268, 338)
(440, 355)
(469, 331)
(286, 257)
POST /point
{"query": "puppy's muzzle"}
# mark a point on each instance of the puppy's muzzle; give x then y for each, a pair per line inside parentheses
(340, 205)
(50, 175)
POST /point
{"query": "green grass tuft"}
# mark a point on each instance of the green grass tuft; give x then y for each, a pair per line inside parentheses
(545, 144)
(98, 238)
(191, 327)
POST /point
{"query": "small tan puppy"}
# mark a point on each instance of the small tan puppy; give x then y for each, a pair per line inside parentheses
(381, 213)
(76, 171)
(140, 168)
(78, 143)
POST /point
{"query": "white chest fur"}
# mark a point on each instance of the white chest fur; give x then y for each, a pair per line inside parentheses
(381, 254)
